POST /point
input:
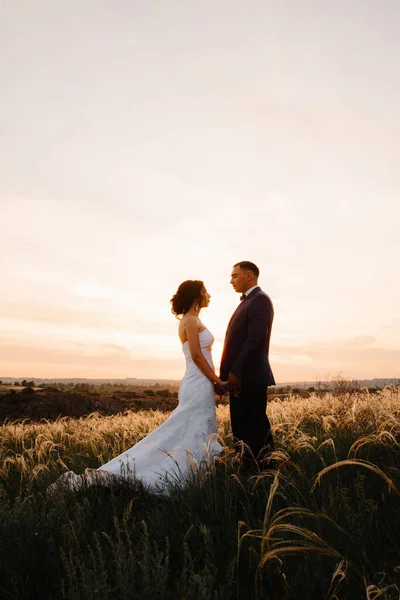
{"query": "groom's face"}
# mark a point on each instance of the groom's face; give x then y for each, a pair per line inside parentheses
(240, 280)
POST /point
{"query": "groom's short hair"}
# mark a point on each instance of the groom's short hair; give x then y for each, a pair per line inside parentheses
(246, 265)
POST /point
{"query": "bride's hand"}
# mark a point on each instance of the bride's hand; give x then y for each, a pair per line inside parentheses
(221, 387)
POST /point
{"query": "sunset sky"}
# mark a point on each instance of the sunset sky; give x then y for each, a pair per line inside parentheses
(148, 142)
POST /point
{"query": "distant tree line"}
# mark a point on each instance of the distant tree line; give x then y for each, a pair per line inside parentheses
(23, 383)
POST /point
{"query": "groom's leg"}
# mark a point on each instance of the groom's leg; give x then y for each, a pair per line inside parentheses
(261, 441)
(250, 423)
(236, 414)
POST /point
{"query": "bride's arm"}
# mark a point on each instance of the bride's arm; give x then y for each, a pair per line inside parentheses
(199, 360)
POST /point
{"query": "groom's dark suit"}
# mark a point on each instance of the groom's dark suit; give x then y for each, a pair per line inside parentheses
(245, 355)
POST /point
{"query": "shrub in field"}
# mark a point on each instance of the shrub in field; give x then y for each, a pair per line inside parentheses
(323, 524)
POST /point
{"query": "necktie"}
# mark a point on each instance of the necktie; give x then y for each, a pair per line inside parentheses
(243, 297)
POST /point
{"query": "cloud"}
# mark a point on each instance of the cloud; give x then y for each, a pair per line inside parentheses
(99, 314)
(355, 358)
(58, 315)
(362, 340)
(101, 362)
(289, 363)
(121, 350)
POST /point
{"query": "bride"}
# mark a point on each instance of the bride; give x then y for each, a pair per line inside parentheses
(187, 440)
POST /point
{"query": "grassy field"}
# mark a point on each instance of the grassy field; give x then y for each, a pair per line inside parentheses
(324, 525)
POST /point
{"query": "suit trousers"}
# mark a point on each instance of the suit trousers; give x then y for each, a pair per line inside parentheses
(249, 420)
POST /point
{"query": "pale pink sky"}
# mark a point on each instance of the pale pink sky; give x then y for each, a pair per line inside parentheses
(144, 143)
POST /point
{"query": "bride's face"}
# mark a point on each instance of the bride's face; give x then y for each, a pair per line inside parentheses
(205, 298)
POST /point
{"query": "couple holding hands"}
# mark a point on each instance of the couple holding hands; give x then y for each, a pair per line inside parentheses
(188, 438)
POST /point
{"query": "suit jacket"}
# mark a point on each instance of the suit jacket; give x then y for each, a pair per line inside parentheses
(246, 346)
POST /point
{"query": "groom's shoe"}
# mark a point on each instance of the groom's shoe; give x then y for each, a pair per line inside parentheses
(275, 462)
(267, 460)
(248, 464)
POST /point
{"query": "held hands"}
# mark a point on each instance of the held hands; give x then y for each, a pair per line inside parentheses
(220, 387)
(234, 384)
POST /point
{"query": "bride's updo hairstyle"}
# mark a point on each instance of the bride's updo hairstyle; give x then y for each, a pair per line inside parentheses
(188, 292)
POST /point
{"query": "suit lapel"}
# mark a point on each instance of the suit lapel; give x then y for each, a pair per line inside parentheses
(232, 317)
(241, 304)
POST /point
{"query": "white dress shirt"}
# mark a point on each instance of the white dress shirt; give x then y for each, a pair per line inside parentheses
(250, 290)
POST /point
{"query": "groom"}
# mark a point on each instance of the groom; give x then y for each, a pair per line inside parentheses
(245, 363)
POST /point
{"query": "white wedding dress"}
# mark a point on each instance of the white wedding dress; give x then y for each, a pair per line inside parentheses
(185, 442)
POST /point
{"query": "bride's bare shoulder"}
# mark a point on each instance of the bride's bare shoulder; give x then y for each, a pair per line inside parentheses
(190, 322)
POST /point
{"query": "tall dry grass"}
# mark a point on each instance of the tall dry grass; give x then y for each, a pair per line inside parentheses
(323, 524)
